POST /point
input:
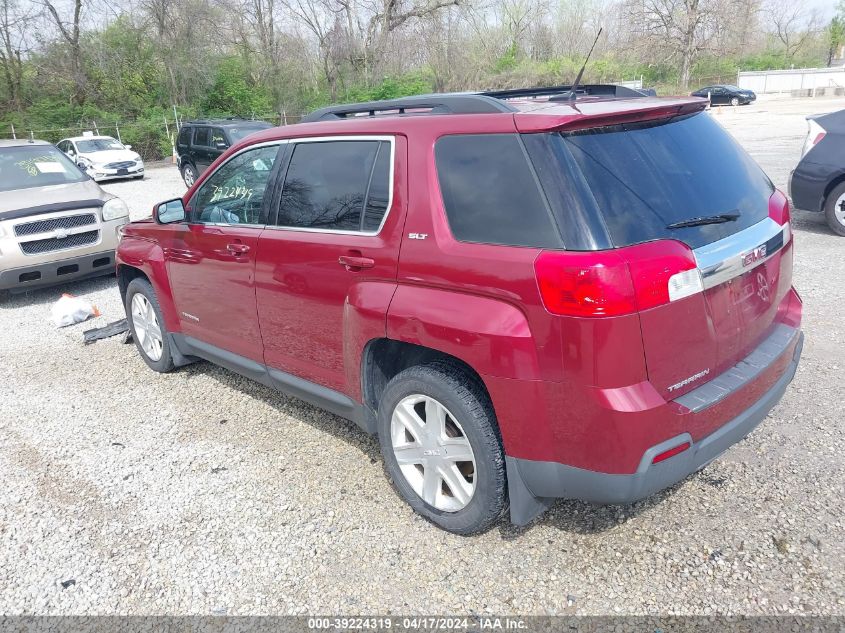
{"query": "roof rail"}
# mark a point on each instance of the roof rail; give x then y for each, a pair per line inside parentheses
(564, 93)
(455, 103)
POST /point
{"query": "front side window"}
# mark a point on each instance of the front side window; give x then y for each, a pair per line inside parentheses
(337, 186)
(30, 166)
(234, 193)
(217, 136)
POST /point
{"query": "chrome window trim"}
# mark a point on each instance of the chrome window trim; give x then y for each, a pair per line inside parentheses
(249, 148)
(340, 138)
(721, 261)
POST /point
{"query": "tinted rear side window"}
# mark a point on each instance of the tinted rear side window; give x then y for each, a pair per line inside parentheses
(329, 185)
(490, 192)
(202, 136)
(644, 177)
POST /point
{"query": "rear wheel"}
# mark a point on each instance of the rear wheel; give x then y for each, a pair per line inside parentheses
(441, 447)
(189, 175)
(147, 325)
(834, 209)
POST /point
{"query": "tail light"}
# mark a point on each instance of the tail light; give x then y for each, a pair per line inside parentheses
(613, 283)
(815, 134)
(779, 212)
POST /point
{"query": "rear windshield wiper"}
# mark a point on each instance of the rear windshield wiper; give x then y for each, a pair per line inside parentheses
(710, 219)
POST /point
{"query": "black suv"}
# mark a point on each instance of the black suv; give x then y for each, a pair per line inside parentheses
(201, 142)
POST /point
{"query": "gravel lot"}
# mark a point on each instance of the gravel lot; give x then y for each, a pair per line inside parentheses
(199, 492)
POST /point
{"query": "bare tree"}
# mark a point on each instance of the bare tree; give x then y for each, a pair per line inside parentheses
(681, 29)
(70, 31)
(14, 22)
(793, 23)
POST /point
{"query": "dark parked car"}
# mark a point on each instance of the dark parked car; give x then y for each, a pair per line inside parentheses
(200, 143)
(818, 182)
(523, 298)
(726, 95)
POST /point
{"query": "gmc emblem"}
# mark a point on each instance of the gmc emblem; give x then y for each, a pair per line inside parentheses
(754, 256)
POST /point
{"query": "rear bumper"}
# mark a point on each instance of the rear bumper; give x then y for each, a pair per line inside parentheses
(533, 485)
(57, 272)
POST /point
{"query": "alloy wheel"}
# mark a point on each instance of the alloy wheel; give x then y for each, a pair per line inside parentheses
(147, 329)
(189, 177)
(433, 453)
(839, 209)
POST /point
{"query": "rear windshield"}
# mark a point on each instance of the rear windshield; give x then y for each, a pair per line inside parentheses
(642, 178)
(36, 166)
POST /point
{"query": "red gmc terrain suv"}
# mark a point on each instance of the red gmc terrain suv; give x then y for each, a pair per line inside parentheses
(527, 295)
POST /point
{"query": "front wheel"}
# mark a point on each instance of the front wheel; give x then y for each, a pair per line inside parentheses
(734, 101)
(147, 325)
(834, 209)
(441, 447)
(189, 175)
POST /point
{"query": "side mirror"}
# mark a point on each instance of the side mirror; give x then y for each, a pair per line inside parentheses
(128, 146)
(170, 212)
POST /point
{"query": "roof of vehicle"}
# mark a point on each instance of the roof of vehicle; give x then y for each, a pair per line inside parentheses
(528, 114)
(229, 121)
(19, 142)
(92, 137)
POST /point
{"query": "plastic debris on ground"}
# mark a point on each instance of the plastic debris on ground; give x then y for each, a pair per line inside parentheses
(69, 310)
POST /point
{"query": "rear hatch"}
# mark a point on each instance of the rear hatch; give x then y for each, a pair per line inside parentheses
(683, 205)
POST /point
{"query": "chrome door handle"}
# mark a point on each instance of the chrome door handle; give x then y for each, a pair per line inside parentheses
(237, 249)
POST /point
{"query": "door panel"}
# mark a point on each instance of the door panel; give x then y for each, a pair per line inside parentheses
(211, 258)
(302, 293)
(211, 270)
(313, 284)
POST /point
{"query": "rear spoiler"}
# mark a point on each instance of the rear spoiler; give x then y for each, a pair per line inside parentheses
(574, 119)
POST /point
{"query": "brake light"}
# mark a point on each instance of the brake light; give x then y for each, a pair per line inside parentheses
(815, 134)
(779, 208)
(663, 271)
(585, 284)
(613, 283)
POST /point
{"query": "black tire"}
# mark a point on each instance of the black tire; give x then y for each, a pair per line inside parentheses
(468, 402)
(734, 101)
(142, 286)
(833, 222)
(189, 175)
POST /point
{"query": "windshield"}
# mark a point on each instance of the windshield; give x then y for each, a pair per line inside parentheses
(238, 133)
(644, 179)
(98, 145)
(36, 166)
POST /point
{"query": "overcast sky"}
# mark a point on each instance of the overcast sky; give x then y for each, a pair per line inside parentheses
(827, 7)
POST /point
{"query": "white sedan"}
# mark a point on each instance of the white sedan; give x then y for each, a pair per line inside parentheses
(103, 157)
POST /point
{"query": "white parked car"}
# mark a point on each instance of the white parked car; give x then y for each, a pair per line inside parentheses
(103, 157)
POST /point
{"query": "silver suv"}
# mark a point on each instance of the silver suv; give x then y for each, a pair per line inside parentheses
(56, 224)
